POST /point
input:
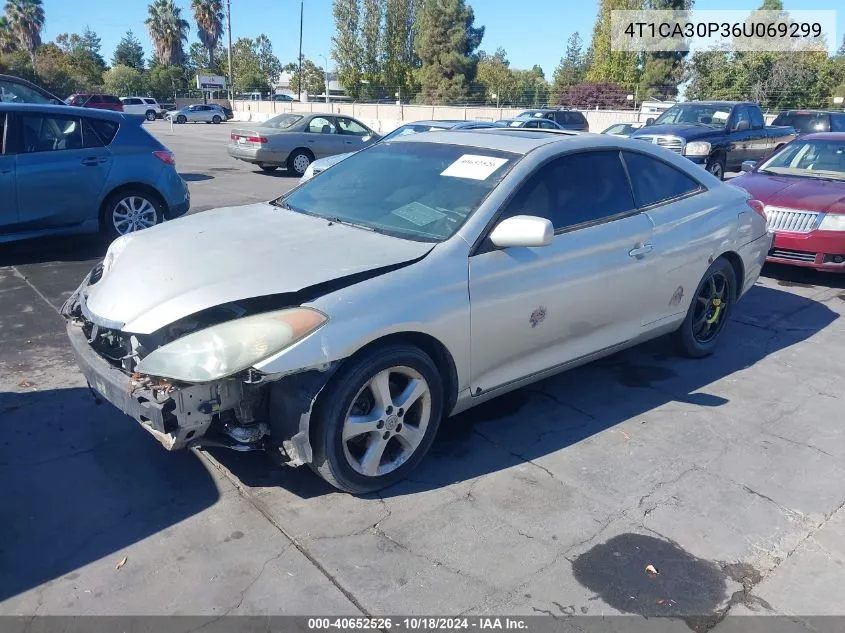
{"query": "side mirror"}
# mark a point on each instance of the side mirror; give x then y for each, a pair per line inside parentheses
(741, 126)
(748, 165)
(366, 139)
(649, 120)
(523, 230)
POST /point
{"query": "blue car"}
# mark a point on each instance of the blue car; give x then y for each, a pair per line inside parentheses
(66, 170)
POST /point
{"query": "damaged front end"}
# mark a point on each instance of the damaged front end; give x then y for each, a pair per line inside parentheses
(245, 410)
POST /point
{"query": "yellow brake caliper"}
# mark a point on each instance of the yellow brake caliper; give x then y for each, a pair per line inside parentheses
(717, 304)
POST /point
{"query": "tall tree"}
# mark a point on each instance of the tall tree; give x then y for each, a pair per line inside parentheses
(663, 71)
(446, 42)
(313, 77)
(129, 52)
(8, 42)
(370, 62)
(208, 15)
(268, 64)
(619, 67)
(398, 45)
(168, 31)
(347, 46)
(26, 19)
(571, 69)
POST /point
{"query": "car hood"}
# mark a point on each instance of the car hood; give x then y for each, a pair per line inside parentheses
(173, 270)
(328, 161)
(686, 131)
(794, 192)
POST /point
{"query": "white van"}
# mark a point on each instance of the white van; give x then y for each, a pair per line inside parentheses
(145, 106)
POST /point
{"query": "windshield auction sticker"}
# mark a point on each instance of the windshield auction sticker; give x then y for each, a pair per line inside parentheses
(654, 31)
(474, 167)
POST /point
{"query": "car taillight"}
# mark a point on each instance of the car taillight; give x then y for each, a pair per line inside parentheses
(165, 157)
(759, 208)
(257, 139)
(234, 136)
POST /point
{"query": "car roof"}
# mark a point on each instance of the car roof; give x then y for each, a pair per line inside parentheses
(824, 136)
(63, 109)
(807, 111)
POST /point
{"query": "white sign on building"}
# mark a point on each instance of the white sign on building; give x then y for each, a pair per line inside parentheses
(211, 82)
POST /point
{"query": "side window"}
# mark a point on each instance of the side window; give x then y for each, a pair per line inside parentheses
(575, 189)
(321, 125)
(150, 101)
(2, 133)
(97, 132)
(548, 125)
(115, 100)
(42, 133)
(532, 124)
(549, 115)
(654, 181)
(837, 122)
(95, 99)
(741, 115)
(350, 127)
(757, 121)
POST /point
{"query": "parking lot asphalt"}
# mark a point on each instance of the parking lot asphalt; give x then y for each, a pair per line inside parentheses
(726, 474)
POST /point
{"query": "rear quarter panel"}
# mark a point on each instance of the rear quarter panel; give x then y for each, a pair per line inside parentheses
(132, 159)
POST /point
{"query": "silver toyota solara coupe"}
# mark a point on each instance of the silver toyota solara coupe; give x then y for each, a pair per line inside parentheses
(338, 325)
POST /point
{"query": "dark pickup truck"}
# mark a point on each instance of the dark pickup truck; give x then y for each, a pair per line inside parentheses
(719, 135)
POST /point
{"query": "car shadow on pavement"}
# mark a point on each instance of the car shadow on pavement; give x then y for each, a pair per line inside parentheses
(81, 483)
(800, 277)
(572, 406)
(69, 248)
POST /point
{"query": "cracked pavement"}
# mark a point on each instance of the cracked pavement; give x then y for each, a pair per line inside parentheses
(726, 474)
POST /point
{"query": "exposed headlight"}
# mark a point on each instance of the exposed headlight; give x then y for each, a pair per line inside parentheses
(225, 349)
(115, 249)
(833, 222)
(697, 148)
(309, 173)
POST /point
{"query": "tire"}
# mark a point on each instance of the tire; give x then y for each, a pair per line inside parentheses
(689, 336)
(342, 462)
(150, 115)
(299, 160)
(268, 168)
(118, 218)
(181, 119)
(215, 119)
(716, 166)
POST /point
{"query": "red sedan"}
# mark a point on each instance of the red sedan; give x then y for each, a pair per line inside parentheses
(803, 190)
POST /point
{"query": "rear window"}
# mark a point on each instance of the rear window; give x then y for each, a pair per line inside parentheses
(804, 122)
(102, 130)
(282, 122)
(837, 122)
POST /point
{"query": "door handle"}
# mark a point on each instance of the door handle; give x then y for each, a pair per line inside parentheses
(310, 141)
(640, 250)
(92, 161)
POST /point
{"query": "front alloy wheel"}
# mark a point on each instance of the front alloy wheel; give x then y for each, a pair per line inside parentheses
(376, 419)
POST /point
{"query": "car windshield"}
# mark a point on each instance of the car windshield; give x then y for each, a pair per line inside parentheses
(619, 128)
(813, 159)
(803, 122)
(282, 121)
(11, 92)
(713, 115)
(413, 128)
(433, 188)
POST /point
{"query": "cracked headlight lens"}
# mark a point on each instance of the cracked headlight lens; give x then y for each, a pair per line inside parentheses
(225, 349)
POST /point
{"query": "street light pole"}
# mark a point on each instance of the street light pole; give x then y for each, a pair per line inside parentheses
(301, 11)
(229, 24)
(326, 71)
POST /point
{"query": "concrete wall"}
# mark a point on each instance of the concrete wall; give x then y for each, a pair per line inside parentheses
(384, 118)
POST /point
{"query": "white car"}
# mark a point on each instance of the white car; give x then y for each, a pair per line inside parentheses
(146, 106)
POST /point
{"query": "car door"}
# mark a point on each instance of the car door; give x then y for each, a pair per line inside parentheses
(59, 178)
(534, 309)
(758, 142)
(8, 195)
(322, 137)
(741, 138)
(672, 199)
(355, 135)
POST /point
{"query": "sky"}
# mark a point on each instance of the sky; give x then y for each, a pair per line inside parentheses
(531, 31)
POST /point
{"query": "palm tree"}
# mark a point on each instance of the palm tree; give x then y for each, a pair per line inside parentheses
(208, 15)
(25, 19)
(168, 31)
(7, 38)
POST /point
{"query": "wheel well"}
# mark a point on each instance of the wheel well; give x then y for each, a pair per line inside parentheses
(139, 186)
(435, 349)
(303, 149)
(739, 270)
(719, 154)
